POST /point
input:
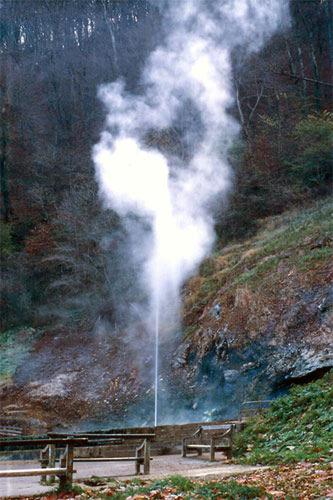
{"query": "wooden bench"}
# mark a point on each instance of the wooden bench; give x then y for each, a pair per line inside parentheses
(65, 470)
(142, 453)
(10, 431)
(142, 457)
(211, 438)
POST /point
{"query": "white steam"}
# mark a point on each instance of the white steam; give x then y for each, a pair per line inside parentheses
(187, 80)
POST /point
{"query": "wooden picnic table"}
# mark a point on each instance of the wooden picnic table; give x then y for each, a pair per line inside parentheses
(64, 471)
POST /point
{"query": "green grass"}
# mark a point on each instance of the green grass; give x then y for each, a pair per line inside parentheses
(293, 227)
(230, 490)
(309, 259)
(189, 489)
(74, 488)
(297, 427)
(263, 267)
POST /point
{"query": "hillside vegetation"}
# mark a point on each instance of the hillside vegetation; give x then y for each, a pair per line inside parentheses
(296, 241)
(297, 427)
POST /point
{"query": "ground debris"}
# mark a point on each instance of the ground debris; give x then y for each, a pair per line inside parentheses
(304, 481)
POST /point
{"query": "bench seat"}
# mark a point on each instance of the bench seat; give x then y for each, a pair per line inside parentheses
(113, 459)
(59, 471)
(217, 447)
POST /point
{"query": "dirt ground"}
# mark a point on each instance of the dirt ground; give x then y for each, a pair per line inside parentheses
(161, 466)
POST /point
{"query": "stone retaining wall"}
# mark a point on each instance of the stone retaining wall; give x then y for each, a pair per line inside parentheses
(168, 440)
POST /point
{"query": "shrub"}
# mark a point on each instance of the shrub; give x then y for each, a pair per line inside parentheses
(312, 165)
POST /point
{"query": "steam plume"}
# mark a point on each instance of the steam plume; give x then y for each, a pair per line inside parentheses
(187, 83)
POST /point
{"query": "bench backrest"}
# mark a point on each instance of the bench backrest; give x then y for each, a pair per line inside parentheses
(10, 431)
(214, 430)
(222, 427)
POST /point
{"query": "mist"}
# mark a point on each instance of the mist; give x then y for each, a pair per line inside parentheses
(186, 86)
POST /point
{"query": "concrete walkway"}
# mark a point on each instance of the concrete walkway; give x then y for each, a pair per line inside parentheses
(161, 466)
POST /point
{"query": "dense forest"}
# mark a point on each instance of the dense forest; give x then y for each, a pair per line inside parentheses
(60, 251)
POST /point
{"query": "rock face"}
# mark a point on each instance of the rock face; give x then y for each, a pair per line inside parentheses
(265, 320)
(220, 370)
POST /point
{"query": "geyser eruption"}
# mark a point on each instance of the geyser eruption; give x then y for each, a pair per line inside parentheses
(187, 87)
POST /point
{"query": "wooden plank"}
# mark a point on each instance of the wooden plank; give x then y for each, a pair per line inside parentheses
(222, 427)
(207, 446)
(32, 472)
(113, 459)
(102, 436)
(198, 446)
(42, 442)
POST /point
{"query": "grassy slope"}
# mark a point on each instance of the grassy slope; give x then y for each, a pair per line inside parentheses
(291, 251)
(297, 427)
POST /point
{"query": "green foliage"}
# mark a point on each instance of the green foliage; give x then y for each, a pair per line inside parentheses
(297, 427)
(6, 241)
(189, 489)
(313, 163)
(229, 490)
(307, 261)
(182, 484)
(292, 228)
(263, 267)
(75, 488)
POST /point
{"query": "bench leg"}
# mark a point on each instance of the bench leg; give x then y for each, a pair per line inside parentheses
(184, 450)
(66, 461)
(52, 460)
(212, 450)
(70, 464)
(146, 457)
(44, 460)
(141, 457)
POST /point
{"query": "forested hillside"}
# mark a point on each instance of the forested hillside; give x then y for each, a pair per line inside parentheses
(63, 257)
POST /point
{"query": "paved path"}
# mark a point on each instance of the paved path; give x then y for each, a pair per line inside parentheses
(161, 466)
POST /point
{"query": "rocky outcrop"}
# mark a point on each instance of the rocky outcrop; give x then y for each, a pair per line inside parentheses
(265, 321)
